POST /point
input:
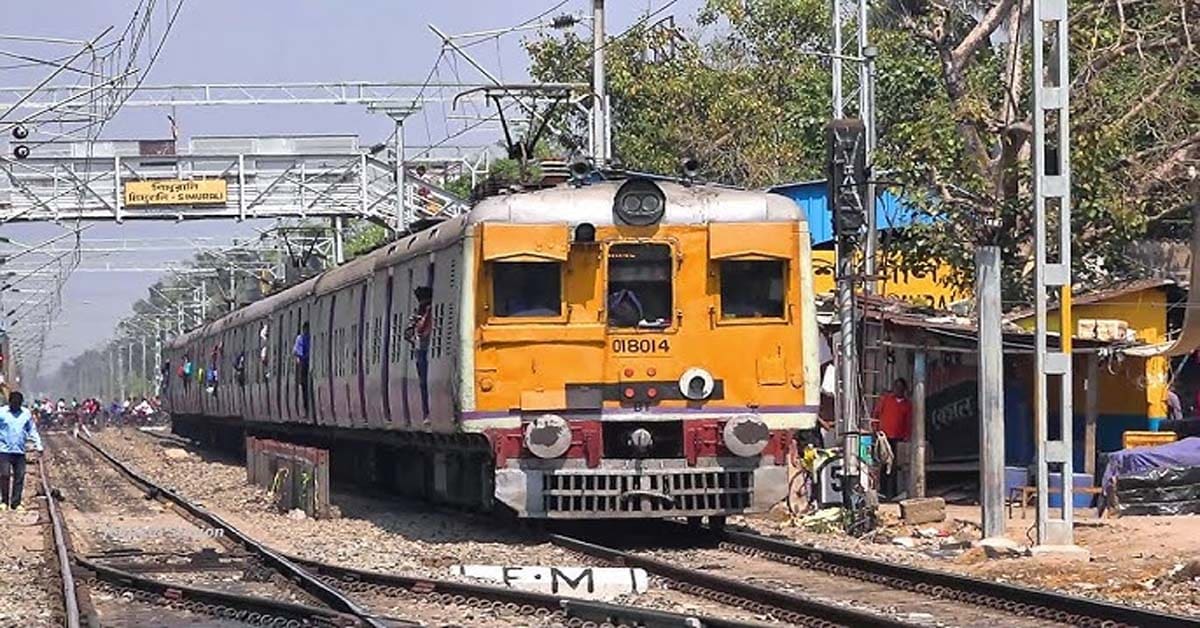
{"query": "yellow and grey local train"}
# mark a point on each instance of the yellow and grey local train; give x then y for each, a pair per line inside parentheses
(631, 347)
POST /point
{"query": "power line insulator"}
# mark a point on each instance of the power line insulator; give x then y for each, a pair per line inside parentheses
(20, 132)
(564, 21)
(20, 151)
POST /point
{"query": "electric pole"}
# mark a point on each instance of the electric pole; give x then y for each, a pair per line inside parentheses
(600, 147)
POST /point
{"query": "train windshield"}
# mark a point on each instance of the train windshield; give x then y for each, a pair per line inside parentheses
(527, 289)
(639, 285)
(752, 289)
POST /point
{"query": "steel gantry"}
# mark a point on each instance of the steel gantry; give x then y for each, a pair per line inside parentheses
(304, 176)
(61, 98)
(263, 177)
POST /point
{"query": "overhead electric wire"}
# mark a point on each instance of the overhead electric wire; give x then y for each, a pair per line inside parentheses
(435, 69)
(153, 59)
(466, 129)
(496, 36)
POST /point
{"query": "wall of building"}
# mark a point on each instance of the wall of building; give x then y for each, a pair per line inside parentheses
(924, 289)
(1135, 386)
(1132, 391)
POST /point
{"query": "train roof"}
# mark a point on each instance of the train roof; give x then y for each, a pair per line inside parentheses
(348, 273)
(254, 311)
(697, 203)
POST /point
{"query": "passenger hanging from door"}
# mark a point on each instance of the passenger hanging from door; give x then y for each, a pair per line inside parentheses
(213, 369)
(185, 371)
(239, 369)
(300, 353)
(263, 335)
(418, 333)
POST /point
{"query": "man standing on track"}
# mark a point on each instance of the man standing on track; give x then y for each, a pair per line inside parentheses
(16, 426)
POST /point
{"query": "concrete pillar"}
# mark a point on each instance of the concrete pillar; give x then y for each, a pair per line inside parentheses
(991, 390)
(916, 445)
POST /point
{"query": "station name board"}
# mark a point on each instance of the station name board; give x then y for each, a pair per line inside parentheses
(175, 192)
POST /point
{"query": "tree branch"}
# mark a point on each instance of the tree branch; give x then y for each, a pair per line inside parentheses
(1112, 55)
(1149, 98)
(1180, 154)
(980, 34)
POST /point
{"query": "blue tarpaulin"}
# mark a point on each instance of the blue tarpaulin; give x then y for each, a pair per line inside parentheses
(1180, 455)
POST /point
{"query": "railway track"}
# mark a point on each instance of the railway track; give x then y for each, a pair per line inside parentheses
(789, 581)
(158, 576)
(1013, 599)
(362, 598)
(775, 580)
(777, 603)
(73, 611)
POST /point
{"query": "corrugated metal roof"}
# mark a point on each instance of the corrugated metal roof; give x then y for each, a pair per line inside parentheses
(893, 312)
(1100, 295)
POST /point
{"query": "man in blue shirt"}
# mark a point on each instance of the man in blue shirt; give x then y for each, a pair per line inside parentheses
(300, 352)
(16, 426)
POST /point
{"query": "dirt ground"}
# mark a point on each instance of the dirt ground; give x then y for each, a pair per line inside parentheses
(1132, 560)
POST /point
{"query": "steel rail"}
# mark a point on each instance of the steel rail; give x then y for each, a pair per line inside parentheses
(70, 602)
(585, 610)
(220, 603)
(309, 583)
(797, 608)
(1019, 599)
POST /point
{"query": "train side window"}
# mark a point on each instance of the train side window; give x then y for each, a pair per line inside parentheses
(527, 289)
(639, 285)
(752, 289)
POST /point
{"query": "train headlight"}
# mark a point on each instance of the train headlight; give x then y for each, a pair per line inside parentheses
(746, 435)
(696, 384)
(639, 202)
(548, 436)
(641, 440)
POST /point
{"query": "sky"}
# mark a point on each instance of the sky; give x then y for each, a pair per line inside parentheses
(256, 41)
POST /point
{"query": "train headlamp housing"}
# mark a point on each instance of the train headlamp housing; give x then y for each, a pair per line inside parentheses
(639, 202)
(696, 384)
(548, 436)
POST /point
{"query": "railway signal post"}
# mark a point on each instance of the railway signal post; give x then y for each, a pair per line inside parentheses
(848, 175)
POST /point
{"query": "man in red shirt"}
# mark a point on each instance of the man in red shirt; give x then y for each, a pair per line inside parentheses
(894, 412)
(893, 417)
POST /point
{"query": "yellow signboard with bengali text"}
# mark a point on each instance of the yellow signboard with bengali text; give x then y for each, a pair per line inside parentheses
(175, 192)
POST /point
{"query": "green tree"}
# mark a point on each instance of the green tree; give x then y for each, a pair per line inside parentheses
(742, 95)
(672, 98)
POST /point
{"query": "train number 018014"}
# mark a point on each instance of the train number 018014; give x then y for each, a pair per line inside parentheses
(640, 345)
